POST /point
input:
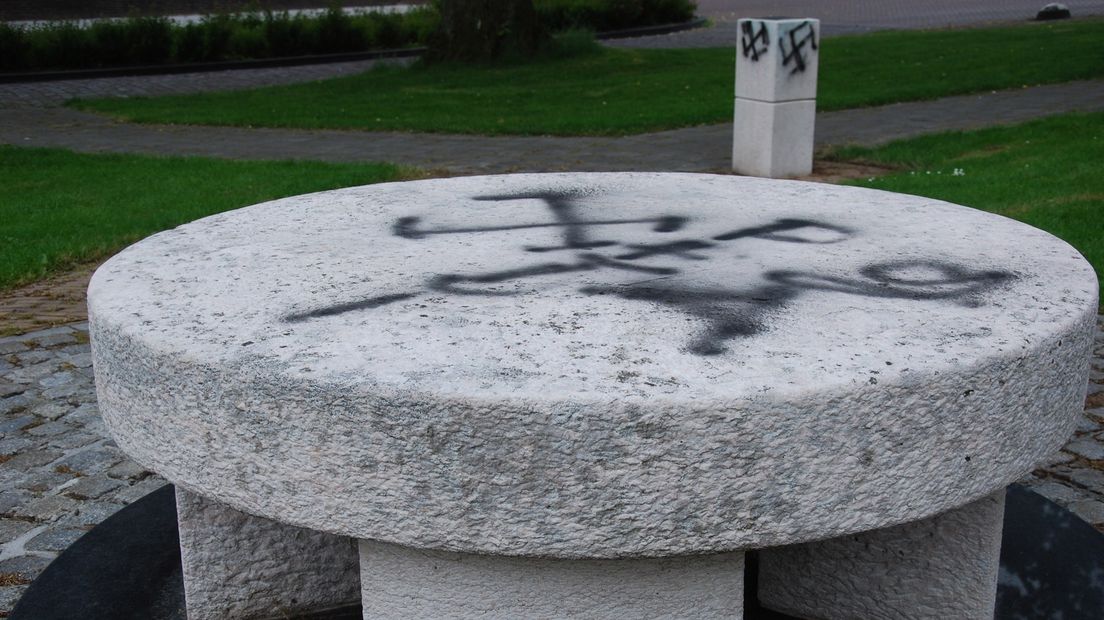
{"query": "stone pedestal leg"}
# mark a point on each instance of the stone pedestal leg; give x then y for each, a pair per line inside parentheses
(938, 568)
(400, 582)
(237, 565)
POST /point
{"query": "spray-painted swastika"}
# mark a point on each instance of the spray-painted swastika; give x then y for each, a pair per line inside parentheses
(727, 312)
(795, 44)
(754, 42)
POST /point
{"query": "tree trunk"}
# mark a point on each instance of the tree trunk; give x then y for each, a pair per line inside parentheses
(484, 30)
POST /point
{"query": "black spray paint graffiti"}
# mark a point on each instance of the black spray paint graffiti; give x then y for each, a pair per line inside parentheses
(732, 313)
(796, 41)
(754, 43)
(726, 313)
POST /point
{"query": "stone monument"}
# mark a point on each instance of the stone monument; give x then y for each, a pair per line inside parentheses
(775, 109)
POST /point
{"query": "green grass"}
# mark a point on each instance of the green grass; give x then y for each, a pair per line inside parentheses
(617, 92)
(60, 208)
(1046, 173)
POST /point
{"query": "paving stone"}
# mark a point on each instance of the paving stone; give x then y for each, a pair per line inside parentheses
(1091, 510)
(34, 372)
(80, 360)
(35, 458)
(13, 403)
(89, 514)
(14, 445)
(74, 439)
(10, 529)
(43, 480)
(35, 357)
(129, 470)
(45, 334)
(83, 414)
(12, 346)
(11, 389)
(57, 379)
(26, 565)
(10, 595)
(90, 461)
(92, 487)
(47, 509)
(139, 489)
(1087, 425)
(1089, 478)
(61, 391)
(11, 500)
(1058, 493)
(55, 539)
(48, 430)
(50, 410)
(54, 340)
(16, 424)
(1086, 447)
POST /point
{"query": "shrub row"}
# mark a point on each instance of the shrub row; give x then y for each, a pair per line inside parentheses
(156, 40)
(605, 15)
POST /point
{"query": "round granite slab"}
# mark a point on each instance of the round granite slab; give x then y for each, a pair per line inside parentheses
(594, 365)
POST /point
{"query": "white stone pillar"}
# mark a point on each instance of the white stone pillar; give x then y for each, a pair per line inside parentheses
(401, 582)
(775, 109)
(237, 565)
(938, 568)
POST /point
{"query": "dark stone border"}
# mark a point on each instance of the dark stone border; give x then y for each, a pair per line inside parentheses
(128, 568)
(292, 61)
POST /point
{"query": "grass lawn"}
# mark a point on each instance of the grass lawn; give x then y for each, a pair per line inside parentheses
(60, 208)
(1047, 173)
(616, 92)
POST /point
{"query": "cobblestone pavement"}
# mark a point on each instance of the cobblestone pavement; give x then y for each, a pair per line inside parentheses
(60, 473)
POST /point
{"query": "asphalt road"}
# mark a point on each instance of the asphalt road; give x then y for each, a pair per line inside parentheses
(844, 16)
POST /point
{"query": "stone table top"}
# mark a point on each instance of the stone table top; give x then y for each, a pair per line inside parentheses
(594, 365)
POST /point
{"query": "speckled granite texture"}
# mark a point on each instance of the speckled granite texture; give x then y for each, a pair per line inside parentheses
(594, 365)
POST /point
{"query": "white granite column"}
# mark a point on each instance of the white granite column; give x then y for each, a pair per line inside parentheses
(401, 582)
(938, 568)
(775, 107)
(237, 565)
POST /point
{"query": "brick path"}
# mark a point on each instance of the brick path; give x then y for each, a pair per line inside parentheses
(60, 474)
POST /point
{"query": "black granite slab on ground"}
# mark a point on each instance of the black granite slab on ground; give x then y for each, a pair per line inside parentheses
(128, 567)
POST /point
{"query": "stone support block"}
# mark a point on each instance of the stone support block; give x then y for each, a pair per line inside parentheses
(937, 568)
(777, 59)
(773, 139)
(402, 582)
(775, 107)
(239, 566)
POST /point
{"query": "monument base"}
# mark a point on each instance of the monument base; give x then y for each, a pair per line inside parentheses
(128, 567)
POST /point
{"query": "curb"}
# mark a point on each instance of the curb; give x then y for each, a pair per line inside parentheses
(292, 61)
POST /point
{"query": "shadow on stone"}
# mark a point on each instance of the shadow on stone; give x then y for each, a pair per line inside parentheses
(128, 567)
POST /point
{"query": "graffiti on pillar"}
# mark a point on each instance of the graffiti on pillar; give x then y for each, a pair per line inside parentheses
(797, 45)
(587, 244)
(754, 41)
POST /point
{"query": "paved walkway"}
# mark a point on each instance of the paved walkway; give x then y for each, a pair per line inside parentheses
(703, 148)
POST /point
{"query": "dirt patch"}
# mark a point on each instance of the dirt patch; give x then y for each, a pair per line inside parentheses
(825, 171)
(830, 171)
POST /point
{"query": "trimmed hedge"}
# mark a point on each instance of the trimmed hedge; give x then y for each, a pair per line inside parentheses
(605, 15)
(156, 40)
